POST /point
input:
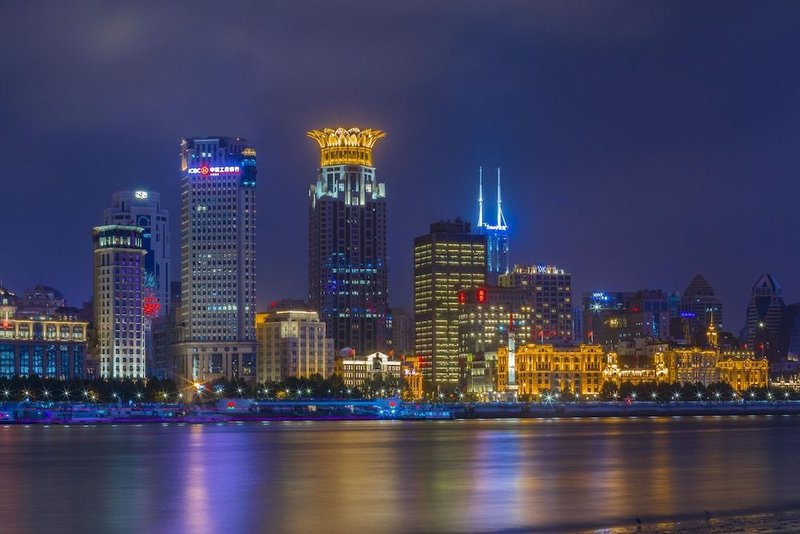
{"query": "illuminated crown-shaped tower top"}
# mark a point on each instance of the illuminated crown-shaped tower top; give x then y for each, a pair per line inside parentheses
(346, 147)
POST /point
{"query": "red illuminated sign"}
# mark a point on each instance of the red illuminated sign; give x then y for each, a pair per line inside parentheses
(481, 296)
(204, 170)
(462, 297)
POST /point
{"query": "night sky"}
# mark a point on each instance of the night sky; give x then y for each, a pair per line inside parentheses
(641, 142)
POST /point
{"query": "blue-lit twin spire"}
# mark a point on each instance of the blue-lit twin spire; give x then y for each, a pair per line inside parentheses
(501, 219)
(496, 235)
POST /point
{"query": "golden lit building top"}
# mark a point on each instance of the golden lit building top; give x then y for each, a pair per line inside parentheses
(346, 146)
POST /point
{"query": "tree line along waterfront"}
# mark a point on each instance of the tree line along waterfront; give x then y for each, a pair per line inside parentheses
(101, 391)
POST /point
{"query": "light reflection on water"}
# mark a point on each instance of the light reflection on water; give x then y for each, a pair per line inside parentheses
(365, 476)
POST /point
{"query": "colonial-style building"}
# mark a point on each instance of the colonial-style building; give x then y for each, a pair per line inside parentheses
(743, 370)
(548, 368)
(356, 370)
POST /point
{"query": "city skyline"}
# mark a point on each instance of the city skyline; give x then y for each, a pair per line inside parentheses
(634, 182)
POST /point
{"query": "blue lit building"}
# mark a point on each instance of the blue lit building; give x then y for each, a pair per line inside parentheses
(46, 346)
(496, 234)
(347, 272)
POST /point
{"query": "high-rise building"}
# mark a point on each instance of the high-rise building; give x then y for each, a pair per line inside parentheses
(143, 208)
(551, 298)
(610, 318)
(118, 301)
(218, 259)
(698, 305)
(496, 234)
(488, 318)
(446, 260)
(764, 318)
(347, 271)
(292, 342)
(402, 331)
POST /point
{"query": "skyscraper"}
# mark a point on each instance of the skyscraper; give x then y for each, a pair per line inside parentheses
(402, 332)
(698, 305)
(764, 318)
(118, 301)
(550, 299)
(347, 271)
(218, 267)
(143, 208)
(496, 234)
(446, 260)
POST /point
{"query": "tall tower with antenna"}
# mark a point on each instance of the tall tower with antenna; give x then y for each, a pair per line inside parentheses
(496, 234)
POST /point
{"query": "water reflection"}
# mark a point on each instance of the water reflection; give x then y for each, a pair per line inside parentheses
(392, 476)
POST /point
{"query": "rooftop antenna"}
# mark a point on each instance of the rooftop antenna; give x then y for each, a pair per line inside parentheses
(501, 220)
(480, 197)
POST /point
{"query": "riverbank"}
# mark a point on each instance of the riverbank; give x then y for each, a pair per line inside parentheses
(622, 409)
(753, 523)
(241, 410)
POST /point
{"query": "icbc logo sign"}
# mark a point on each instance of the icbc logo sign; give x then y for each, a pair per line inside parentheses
(204, 170)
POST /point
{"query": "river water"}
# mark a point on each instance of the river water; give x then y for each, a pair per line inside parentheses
(394, 476)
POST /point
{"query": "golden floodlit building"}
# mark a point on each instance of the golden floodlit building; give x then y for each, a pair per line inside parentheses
(743, 370)
(612, 372)
(545, 368)
(690, 366)
(412, 374)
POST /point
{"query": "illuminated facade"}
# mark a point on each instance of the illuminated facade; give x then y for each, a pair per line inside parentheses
(496, 234)
(218, 260)
(690, 366)
(292, 343)
(446, 260)
(358, 369)
(143, 208)
(616, 374)
(488, 316)
(743, 370)
(118, 301)
(47, 346)
(347, 273)
(548, 368)
(412, 374)
(550, 290)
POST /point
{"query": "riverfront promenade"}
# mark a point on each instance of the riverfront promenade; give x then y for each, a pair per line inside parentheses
(326, 409)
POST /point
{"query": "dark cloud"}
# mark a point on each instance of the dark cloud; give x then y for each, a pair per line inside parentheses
(641, 142)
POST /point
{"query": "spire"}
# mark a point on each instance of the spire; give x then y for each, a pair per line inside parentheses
(712, 337)
(501, 220)
(480, 197)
